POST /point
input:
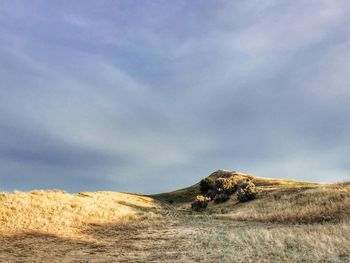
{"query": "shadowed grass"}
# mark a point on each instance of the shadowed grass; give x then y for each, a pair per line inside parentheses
(184, 196)
(289, 221)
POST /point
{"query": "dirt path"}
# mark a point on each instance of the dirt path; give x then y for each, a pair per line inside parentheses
(171, 211)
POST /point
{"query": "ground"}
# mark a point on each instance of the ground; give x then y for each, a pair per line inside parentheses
(289, 221)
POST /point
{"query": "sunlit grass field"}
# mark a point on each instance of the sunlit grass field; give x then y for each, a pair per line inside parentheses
(288, 221)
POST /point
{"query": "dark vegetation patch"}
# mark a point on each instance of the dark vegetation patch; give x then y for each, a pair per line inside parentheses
(220, 189)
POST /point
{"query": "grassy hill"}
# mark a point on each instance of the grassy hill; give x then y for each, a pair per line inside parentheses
(188, 194)
(58, 211)
(278, 200)
(288, 221)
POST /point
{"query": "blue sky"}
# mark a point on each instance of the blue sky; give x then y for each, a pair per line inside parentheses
(149, 96)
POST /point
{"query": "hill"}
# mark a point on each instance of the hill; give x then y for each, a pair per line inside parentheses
(58, 211)
(288, 221)
(278, 200)
(187, 194)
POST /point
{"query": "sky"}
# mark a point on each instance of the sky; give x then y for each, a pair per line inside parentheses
(150, 96)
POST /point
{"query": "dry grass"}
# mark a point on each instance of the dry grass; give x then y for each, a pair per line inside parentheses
(182, 197)
(42, 226)
(231, 241)
(53, 226)
(294, 205)
(56, 211)
(184, 239)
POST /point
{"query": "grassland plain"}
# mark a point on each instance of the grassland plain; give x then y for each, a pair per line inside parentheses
(289, 221)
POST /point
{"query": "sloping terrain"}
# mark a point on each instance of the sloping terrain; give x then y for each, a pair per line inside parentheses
(265, 185)
(281, 201)
(55, 210)
(288, 221)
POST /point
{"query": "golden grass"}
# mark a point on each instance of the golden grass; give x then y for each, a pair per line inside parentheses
(329, 203)
(185, 239)
(289, 221)
(228, 241)
(43, 226)
(59, 212)
(182, 197)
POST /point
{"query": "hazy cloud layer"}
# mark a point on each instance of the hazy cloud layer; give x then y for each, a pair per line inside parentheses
(153, 95)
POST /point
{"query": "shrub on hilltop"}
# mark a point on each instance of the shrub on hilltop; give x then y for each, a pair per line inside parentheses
(199, 203)
(205, 185)
(221, 189)
(211, 194)
(226, 185)
(247, 191)
(220, 198)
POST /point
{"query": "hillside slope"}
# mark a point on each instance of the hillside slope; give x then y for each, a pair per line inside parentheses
(280, 201)
(186, 195)
(55, 211)
(287, 222)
